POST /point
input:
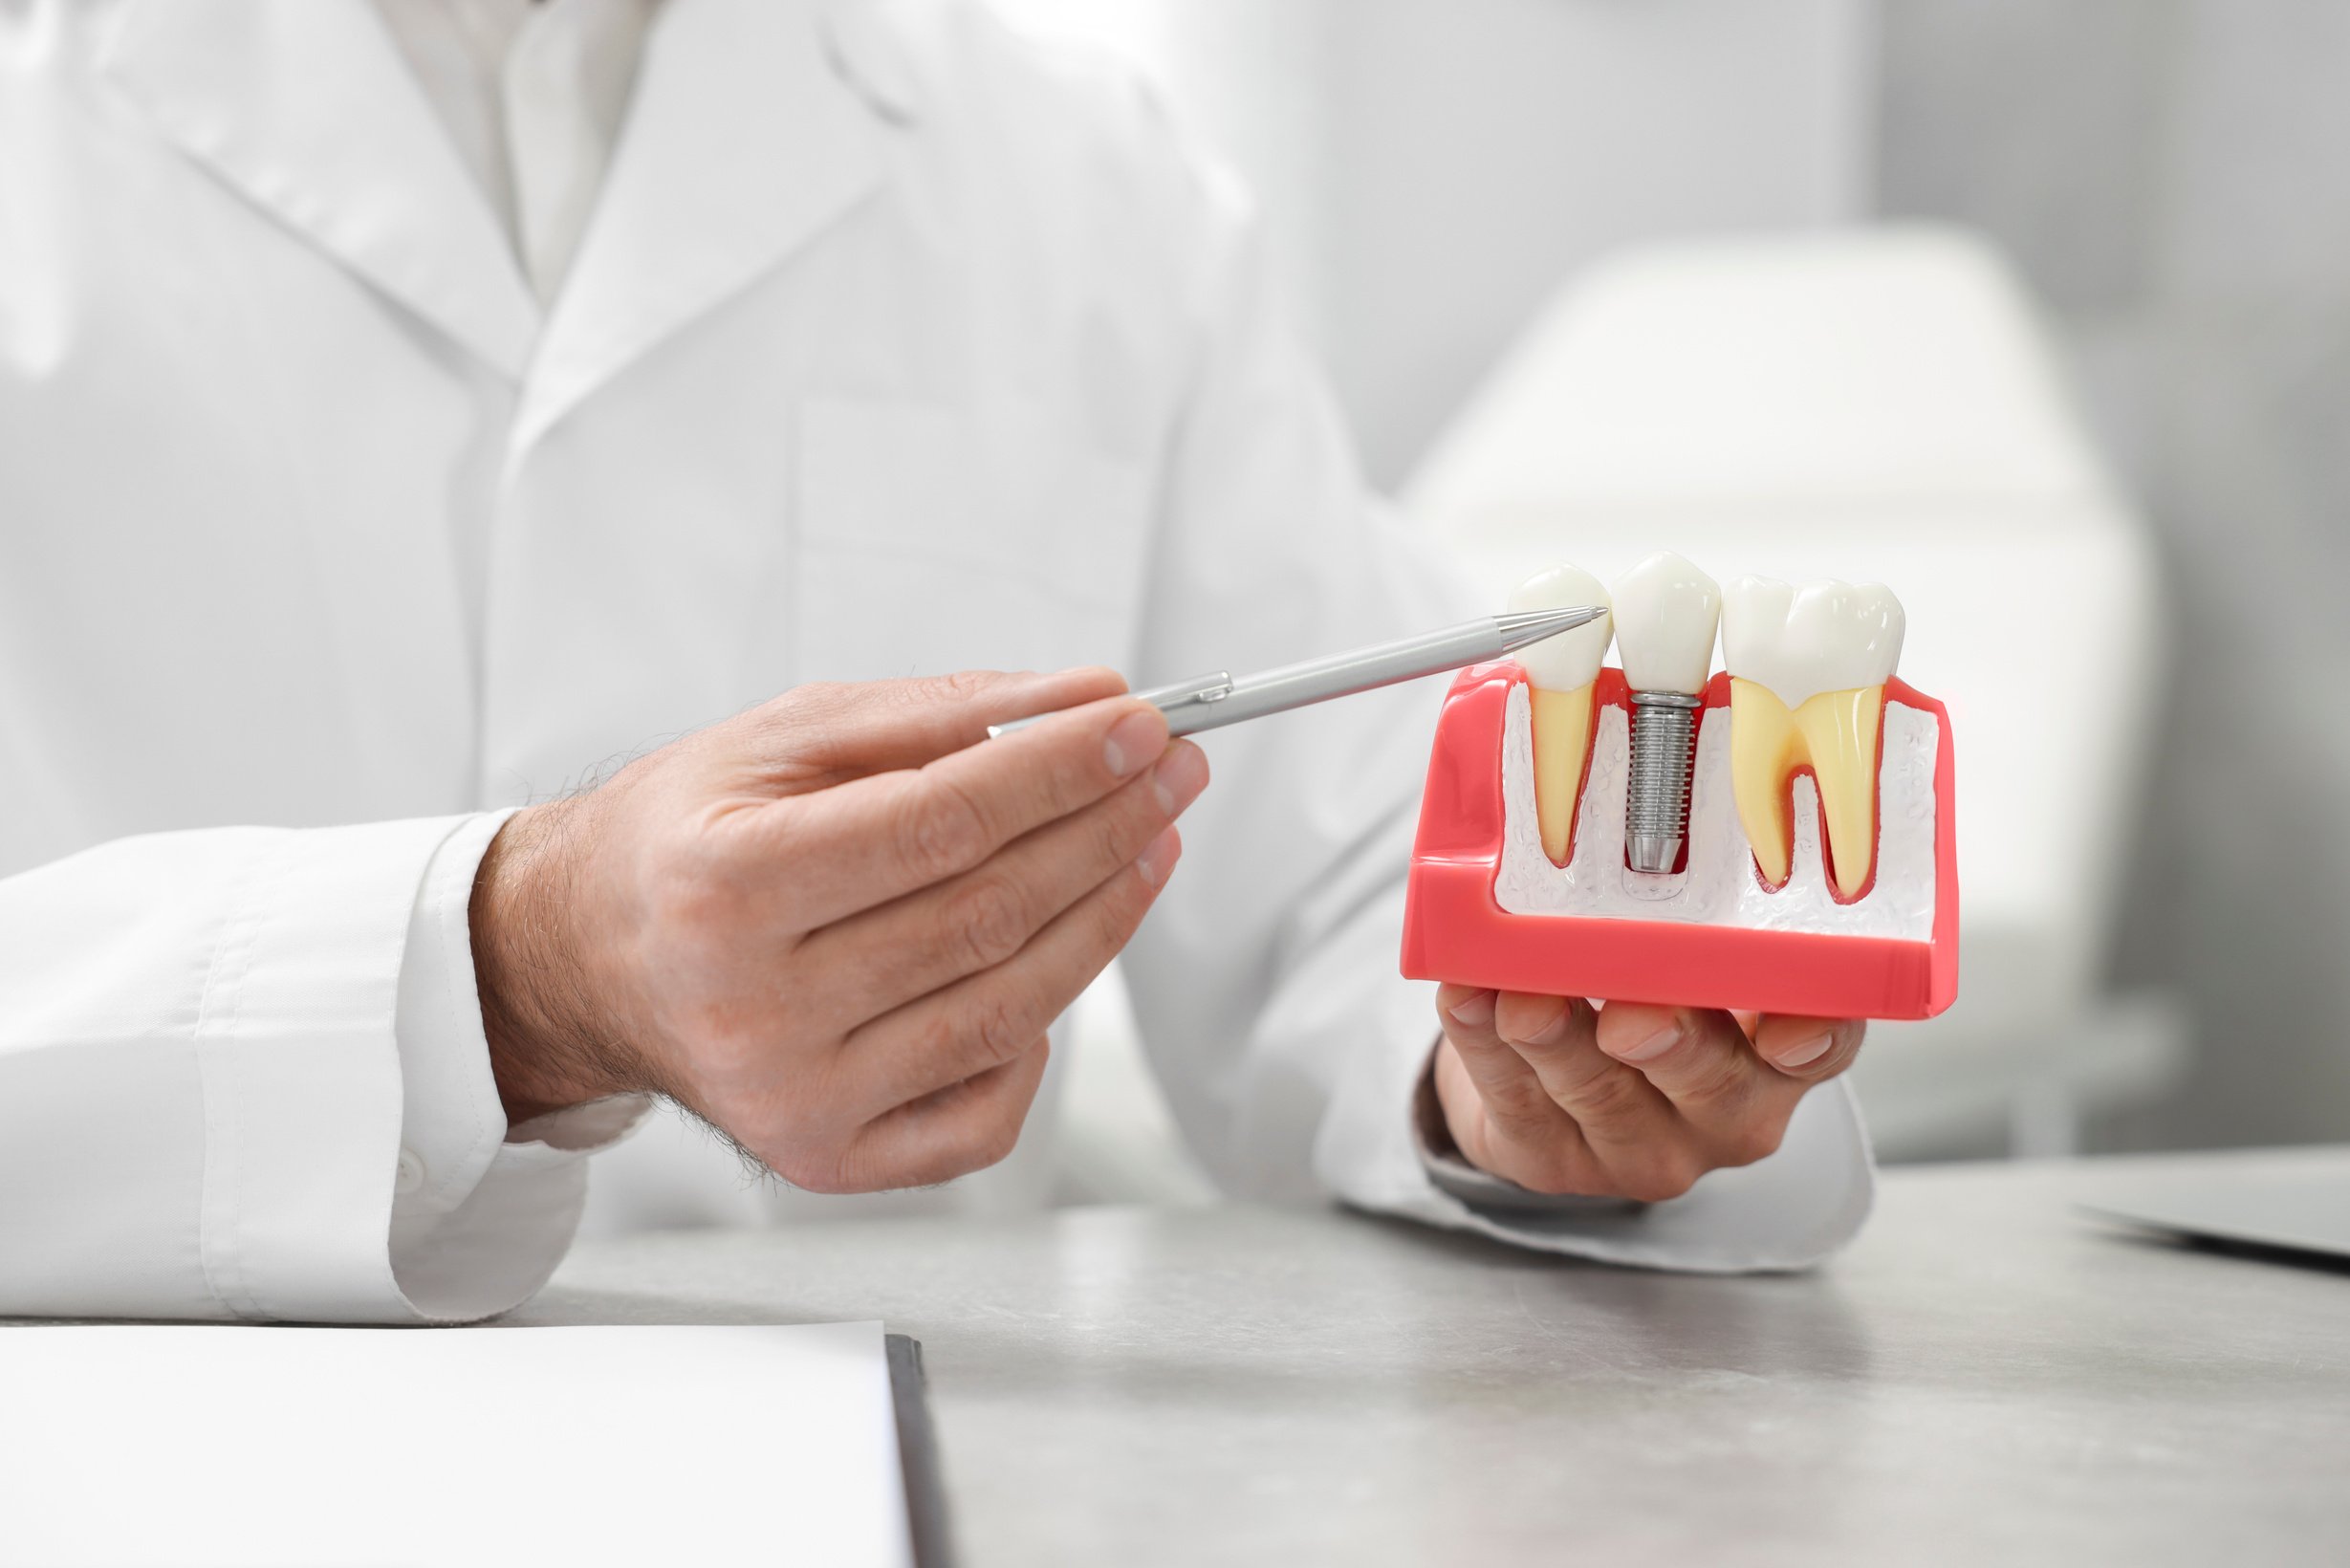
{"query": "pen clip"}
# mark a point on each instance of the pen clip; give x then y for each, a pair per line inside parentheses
(1166, 699)
(1212, 687)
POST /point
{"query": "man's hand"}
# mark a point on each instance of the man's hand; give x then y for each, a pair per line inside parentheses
(1622, 1101)
(834, 927)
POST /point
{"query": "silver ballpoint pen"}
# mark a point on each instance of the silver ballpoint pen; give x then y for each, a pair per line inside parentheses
(1210, 702)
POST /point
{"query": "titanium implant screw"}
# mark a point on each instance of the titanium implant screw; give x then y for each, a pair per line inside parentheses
(1656, 803)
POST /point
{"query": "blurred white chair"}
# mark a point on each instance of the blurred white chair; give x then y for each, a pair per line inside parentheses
(1877, 404)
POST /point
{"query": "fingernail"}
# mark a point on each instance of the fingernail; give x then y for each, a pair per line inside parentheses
(1157, 863)
(1135, 740)
(1809, 1049)
(1180, 777)
(1650, 1047)
(1474, 1010)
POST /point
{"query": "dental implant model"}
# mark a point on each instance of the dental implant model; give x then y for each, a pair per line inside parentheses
(1780, 836)
(1666, 611)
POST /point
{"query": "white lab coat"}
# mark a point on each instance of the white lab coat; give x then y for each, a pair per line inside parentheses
(895, 345)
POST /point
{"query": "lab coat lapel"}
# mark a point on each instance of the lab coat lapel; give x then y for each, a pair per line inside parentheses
(742, 142)
(308, 109)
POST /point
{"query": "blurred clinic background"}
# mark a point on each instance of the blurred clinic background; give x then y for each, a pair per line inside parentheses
(2039, 310)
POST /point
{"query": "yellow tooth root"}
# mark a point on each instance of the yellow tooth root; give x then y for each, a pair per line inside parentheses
(1563, 745)
(1765, 747)
(1835, 733)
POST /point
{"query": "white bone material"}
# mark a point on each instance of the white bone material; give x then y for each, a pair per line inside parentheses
(1720, 888)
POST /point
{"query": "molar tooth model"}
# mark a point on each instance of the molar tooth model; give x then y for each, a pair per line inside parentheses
(1807, 687)
(1809, 864)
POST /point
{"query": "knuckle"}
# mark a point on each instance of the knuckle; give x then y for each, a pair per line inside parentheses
(999, 1027)
(801, 713)
(933, 1048)
(1113, 838)
(787, 707)
(938, 1043)
(956, 686)
(1724, 1086)
(808, 697)
(1611, 1094)
(989, 919)
(1481, 1046)
(1520, 1098)
(941, 830)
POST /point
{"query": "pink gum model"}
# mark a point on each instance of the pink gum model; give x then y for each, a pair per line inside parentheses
(1454, 929)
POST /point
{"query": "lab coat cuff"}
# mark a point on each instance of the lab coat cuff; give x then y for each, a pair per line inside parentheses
(484, 1211)
(451, 1118)
(581, 1130)
(302, 1075)
(494, 1249)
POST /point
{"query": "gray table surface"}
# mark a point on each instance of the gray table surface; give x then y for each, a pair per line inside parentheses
(1984, 1377)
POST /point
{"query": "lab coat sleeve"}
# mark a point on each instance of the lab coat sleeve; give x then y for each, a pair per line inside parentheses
(1266, 980)
(481, 1214)
(202, 1108)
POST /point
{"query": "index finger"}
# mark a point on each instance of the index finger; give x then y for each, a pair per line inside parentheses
(872, 839)
(870, 727)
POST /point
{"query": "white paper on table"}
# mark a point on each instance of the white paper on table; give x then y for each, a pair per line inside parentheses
(259, 1446)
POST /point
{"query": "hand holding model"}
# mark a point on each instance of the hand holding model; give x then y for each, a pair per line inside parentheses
(1625, 1099)
(1775, 837)
(834, 927)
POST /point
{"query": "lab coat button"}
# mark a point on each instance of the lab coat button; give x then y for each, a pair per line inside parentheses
(411, 1174)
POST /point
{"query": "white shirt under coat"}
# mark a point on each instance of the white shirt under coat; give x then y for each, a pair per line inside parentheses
(345, 503)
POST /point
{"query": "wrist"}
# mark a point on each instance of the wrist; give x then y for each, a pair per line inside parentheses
(551, 1045)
